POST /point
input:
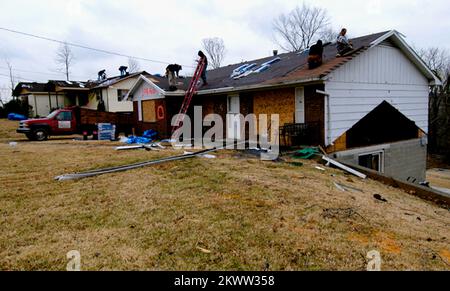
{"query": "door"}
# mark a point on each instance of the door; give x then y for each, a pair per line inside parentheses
(233, 120)
(300, 105)
(64, 123)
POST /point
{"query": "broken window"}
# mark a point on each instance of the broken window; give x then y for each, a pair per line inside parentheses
(121, 94)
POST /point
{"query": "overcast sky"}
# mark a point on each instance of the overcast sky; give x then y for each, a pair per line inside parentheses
(171, 31)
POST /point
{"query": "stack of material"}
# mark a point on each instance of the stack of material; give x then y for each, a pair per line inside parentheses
(106, 131)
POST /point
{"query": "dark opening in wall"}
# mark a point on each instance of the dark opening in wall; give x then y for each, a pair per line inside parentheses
(385, 124)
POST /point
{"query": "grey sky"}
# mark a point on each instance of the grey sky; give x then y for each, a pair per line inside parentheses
(172, 30)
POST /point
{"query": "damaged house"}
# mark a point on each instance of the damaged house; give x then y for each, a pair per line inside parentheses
(56, 94)
(369, 108)
(46, 97)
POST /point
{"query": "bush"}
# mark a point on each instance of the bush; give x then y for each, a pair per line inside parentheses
(15, 106)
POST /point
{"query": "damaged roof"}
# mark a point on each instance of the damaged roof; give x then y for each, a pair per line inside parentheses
(68, 84)
(32, 87)
(114, 80)
(291, 66)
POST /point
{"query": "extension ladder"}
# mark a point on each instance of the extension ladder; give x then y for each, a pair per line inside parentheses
(189, 94)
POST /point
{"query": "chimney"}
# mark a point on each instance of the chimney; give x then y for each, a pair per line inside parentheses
(275, 53)
(123, 71)
(102, 75)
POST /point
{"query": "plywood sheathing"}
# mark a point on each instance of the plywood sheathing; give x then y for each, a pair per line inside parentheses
(281, 101)
(149, 111)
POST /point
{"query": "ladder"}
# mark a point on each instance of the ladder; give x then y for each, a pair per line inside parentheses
(189, 94)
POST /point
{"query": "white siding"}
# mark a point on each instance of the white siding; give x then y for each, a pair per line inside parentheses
(382, 73)
(42, 106)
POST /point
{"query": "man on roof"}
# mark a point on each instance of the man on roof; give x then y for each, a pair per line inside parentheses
(315, 55)
(172, 73)
(205, 59)
(343, 44)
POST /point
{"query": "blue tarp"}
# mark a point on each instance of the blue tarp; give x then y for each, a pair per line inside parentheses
(138, 140)
(15, 116)
(150, 134)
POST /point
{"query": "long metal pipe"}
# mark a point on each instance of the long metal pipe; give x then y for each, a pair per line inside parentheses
(130, 167)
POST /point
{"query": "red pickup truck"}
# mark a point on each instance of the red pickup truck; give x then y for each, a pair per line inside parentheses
(74, 120)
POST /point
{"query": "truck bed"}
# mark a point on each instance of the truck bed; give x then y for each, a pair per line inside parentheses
(91, 117)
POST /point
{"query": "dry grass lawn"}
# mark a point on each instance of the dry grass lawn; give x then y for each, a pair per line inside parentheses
(231, 213)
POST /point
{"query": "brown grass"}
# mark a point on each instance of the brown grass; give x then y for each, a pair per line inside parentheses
(231, 213)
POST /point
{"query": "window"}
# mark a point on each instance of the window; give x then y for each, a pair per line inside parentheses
(64, 116)
(373, 161)
(121, 94)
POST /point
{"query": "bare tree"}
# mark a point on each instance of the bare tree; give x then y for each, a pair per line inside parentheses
(328, 35)
(12, 78)
(300, 28)
(65, 59)
(215, 48)
(438, 60)
(133, 65)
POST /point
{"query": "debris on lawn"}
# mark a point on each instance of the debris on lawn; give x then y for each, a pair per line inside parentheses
(343, 167)
(13, 144)
(340, 188)
(205, 251)
(345, 188)
(306, 154)
(138, 140)
(149, 147)
(132, 166)
(379, 198)
(320, 169)
(209, 156)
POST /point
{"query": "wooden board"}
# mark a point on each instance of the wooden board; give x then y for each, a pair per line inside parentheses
(149, 111)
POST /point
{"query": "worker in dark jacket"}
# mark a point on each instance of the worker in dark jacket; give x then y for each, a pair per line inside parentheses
(203, 76)
(172, 73)
(315, 55)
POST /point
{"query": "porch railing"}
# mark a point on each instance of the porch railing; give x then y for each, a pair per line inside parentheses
(298, 134)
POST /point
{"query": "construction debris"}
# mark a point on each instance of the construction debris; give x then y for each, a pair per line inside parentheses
(379, 198)
(343, 167)
(345, 188)
(306, 154)
(209, 156)
(130, 167)
(340, 188)
(153, 147)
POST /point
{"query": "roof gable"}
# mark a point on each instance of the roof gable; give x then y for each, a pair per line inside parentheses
(142, 80)
(395, 38)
